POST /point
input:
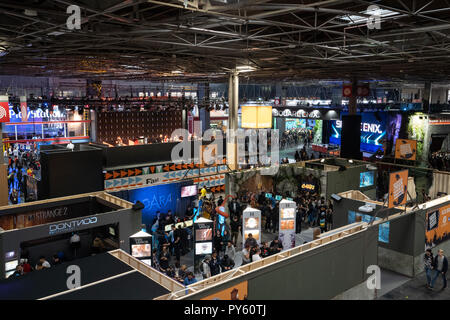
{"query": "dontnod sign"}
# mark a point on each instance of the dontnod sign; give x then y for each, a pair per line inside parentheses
(65, 227)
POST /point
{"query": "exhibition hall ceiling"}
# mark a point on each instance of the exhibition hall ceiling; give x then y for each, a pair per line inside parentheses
(205, 39)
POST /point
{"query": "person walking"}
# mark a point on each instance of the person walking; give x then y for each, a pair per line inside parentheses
(441, 267)
(428, 263)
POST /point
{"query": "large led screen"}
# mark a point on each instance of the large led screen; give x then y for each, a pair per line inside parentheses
(373, 131)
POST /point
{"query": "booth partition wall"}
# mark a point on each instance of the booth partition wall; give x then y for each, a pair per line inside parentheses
(44, 228)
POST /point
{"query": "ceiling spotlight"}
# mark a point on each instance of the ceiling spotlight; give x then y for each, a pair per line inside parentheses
(30, 13)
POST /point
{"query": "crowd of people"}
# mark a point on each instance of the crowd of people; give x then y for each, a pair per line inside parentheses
(24, 266)
(440, 161)
(294, 137)
(313, 211)
(22, 162)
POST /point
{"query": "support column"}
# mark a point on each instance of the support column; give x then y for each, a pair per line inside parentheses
(233, 106)
(426, 97)
(353, 99)
(203, 104)
(351, 128)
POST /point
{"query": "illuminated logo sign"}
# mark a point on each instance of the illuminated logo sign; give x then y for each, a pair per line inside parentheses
(38, 114)
(315, 114)
(365, 127)
(308, 186)
(71, 225)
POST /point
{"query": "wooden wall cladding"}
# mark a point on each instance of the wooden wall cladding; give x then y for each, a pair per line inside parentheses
(130, 125)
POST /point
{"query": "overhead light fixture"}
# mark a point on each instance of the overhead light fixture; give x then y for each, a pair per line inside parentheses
(245, 69)
(350, 160)
(30, 13)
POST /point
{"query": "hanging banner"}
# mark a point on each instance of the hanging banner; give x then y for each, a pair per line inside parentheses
(251, 224)
(405, 149)
(398, 186)
(438, 226)
(287, 223)
(4, 109)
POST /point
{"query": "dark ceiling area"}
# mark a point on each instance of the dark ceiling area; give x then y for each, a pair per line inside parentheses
(205, 39)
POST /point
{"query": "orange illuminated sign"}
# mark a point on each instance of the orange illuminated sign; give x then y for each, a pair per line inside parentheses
(256, 117)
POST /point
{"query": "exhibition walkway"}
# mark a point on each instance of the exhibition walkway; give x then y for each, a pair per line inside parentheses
(415, 289)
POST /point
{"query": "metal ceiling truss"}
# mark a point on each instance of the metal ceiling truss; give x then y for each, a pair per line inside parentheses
(201, 39)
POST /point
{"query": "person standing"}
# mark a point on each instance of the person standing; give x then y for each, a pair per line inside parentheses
(235, 226)
(428, 262)
(214, 264)
(441, 267)
(230, 251)
(176, 242)
(204, 267)
(246, 255)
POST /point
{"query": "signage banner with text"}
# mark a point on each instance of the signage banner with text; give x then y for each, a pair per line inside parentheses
(398, 186)
(405, 149)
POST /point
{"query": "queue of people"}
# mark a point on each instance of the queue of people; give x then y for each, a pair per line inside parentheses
(440, 161)
(21, 163)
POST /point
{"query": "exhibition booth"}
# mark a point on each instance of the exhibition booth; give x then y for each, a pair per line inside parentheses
(403, 232)
(121, 277)
(323, 176)
(99, 221)
(94, 167)
(175, 196)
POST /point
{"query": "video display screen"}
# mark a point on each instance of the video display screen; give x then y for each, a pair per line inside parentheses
(189, 191)
(203, 235)
(141, 250)
(373, 131)
(287, 224)
(203, 248)
(278, 198)
(383, 229)
(366, 179)
(11, 265)
(287, 213)
(268, 195)
(255, 234)
(251, 223)
(295, 123)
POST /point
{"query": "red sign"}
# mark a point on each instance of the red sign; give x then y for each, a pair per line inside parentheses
(4, 112)
(361, 91)
(347, 91)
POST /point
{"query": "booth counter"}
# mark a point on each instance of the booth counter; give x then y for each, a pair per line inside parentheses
(44, 228)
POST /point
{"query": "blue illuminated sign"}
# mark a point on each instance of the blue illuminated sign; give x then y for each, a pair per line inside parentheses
(156, 198)
(373, 131)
